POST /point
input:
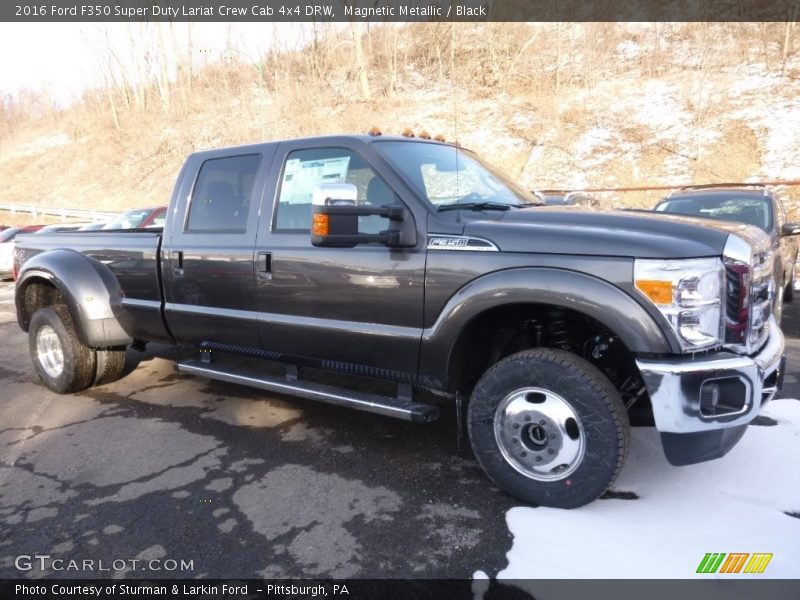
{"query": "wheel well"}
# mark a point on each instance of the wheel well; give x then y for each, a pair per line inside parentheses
(38, 293)
(501, 331)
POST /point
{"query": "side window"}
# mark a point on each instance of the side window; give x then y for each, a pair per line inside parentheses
(221, 198)
(305, 169)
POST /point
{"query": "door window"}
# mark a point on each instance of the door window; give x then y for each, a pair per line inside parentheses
(305, 169)
(222, 193)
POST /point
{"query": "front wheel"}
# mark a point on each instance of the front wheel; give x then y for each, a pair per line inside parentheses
(788, 291)
(61, 361)
(549, 428)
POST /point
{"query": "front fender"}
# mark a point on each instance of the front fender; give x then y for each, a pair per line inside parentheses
(573, 290)
(89, 290)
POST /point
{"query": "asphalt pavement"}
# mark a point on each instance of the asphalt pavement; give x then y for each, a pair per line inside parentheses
(215, 480)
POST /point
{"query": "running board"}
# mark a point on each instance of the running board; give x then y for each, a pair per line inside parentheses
(399, 408)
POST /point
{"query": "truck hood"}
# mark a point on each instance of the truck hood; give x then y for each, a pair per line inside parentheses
(638, 234)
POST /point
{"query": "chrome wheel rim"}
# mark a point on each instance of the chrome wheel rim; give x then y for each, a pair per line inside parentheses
(539, 434)
(49, 352)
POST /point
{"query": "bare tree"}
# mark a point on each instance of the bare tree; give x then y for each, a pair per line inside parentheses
(792, 10)
(362, 69)
(162, 75)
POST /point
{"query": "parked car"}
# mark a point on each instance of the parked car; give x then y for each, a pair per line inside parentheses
(7, 237)
(139, 218)
(92, 226)
(566, 197)
(751, 204)
(60, 227)
(415, 263)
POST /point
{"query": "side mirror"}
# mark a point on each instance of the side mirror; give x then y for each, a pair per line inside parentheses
(334, 194)
(334, 220)
(790, 229)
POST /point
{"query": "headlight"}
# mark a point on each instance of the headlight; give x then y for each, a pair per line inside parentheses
(689, 294)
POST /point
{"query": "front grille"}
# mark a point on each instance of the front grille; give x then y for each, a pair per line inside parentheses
(748, 303)
(737, 302)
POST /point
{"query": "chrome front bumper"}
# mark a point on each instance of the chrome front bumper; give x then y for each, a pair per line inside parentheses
(674, 386)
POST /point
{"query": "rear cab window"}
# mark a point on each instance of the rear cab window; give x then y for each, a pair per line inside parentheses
(222, 193)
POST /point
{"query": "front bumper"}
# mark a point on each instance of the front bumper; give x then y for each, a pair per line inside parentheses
(692, 431)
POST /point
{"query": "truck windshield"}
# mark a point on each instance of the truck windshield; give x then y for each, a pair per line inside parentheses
(449, 177)
(743, 209)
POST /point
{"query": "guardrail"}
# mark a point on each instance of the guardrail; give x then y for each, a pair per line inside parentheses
(64, 213)
(650, 188)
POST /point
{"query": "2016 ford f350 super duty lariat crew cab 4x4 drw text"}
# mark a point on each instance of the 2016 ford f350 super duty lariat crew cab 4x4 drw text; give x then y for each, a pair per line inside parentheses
(414, 263)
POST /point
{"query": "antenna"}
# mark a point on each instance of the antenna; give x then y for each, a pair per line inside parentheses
(455, 106)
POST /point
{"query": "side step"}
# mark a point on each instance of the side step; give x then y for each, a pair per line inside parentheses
(399, 408)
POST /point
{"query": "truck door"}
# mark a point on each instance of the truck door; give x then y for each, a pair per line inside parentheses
(360, 305)
(207, 258)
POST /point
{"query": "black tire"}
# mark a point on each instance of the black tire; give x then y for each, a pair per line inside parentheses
(78, 362)
(602, 426)
(788, 291)
(110, 364)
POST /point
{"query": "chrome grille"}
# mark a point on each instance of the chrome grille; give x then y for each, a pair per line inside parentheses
(737, 302)
(749, 291)
(761, 298)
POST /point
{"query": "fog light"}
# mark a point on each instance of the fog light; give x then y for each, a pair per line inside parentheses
(709, 398)
(719, 397)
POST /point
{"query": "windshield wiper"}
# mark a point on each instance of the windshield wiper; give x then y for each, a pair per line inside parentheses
(477, 206)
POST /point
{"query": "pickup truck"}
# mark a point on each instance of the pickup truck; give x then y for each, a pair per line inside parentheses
(753, 204)
(413, 276)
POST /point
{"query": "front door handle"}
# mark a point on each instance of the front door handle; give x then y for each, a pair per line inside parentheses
(264, 268)
(177, 263)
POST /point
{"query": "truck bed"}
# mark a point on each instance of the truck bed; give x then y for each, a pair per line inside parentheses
(132, 256)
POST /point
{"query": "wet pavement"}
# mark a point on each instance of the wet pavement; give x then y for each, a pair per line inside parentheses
(218, 480)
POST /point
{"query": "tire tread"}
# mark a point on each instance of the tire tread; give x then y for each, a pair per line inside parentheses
(597, 382)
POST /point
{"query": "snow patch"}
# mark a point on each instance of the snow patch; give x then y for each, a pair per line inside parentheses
(39, 145)
(735, 504)
(480, 585)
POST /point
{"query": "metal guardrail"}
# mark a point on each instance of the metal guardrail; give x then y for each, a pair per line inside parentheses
(64, 213)
(648, 188)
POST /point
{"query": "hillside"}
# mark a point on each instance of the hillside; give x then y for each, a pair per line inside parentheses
(556, 105)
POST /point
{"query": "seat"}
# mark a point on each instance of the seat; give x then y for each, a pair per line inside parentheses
(221, 206)
(378, 194)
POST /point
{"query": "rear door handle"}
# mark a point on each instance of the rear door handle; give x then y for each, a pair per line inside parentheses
(264, 267)
(177, 263)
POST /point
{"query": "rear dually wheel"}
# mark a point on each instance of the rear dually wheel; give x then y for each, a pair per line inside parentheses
(62, 362)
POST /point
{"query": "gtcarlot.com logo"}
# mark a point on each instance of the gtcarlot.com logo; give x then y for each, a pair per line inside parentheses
(44, 562)
(734, 562)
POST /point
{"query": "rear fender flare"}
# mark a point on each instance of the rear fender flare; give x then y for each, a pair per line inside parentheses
(90, 290)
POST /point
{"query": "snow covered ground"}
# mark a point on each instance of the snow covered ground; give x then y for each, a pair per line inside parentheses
(735, 504)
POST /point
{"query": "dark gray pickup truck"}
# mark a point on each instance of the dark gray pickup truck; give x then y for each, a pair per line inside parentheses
(376, 272)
